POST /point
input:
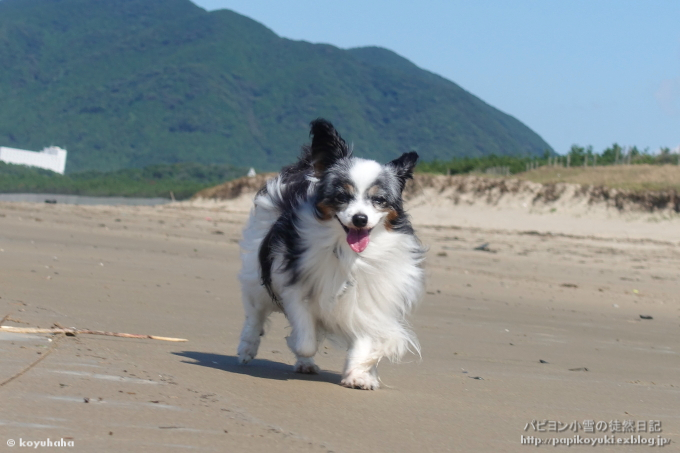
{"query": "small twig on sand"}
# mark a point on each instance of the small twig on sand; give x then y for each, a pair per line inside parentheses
(72, 331)
(5, 318)
(40, 359)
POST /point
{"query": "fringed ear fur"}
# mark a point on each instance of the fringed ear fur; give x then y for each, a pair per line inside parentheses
(327, 145)
(403, 167)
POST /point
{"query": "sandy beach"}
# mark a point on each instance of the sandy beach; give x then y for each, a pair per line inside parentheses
(535, 322)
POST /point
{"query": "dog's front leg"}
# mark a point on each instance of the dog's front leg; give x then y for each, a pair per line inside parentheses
(361, 369)
(303, 338)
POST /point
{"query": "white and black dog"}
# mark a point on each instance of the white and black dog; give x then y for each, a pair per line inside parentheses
(329, 244)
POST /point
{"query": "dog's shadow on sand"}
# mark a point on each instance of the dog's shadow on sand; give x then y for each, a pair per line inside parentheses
(260, 368)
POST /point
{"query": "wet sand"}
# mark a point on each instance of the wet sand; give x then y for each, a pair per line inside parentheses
(543, 324)
(79, 199)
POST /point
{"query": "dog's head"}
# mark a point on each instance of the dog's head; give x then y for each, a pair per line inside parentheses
(360, 194)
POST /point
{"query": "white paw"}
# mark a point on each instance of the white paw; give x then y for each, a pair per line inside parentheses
(247, 351)
(359, 380)
(306, 366)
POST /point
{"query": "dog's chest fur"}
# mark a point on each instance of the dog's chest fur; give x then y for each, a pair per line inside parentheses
(345, 288)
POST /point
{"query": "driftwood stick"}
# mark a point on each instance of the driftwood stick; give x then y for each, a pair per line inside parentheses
(40, 359)
(70, 331)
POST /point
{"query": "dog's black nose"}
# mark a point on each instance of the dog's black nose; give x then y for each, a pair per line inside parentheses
(359, 220)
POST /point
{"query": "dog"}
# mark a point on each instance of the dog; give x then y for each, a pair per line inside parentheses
(328, 243)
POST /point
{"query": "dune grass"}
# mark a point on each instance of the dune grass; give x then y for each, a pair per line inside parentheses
(632, 177)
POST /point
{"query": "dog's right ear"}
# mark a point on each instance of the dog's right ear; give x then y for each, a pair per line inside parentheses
(327, 145)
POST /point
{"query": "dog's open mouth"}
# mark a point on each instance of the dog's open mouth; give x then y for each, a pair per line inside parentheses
(357, 238)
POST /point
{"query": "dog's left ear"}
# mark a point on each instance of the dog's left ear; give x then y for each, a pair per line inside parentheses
(403, 167)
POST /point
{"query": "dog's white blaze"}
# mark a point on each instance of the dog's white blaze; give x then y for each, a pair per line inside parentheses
(364, 173)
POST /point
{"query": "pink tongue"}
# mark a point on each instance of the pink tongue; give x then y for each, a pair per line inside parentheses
(358, 239)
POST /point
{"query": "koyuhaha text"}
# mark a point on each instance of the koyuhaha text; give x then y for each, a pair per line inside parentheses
(48, 443)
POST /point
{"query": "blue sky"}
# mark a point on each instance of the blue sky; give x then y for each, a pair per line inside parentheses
(589, 72)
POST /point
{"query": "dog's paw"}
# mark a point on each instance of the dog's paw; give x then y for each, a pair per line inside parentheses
(245, 358)
(363, 381)
(306, 366)
(247, 351)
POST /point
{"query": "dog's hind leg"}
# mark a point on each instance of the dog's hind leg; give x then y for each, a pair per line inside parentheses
(257, 308)
(303, 340)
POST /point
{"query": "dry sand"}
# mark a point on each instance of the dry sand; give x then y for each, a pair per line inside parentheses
(565, 287)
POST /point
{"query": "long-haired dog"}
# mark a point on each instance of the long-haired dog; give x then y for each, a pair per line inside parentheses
(328, 243)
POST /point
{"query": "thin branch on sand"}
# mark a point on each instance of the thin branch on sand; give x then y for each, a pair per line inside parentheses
(28, 367)
(69, 331)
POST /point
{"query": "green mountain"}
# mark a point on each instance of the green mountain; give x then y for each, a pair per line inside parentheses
(129, 83)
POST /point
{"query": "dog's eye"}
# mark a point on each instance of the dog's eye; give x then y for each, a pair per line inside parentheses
(379, 201)
(342, 198)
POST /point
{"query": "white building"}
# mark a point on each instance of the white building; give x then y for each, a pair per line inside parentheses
(52, 158)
